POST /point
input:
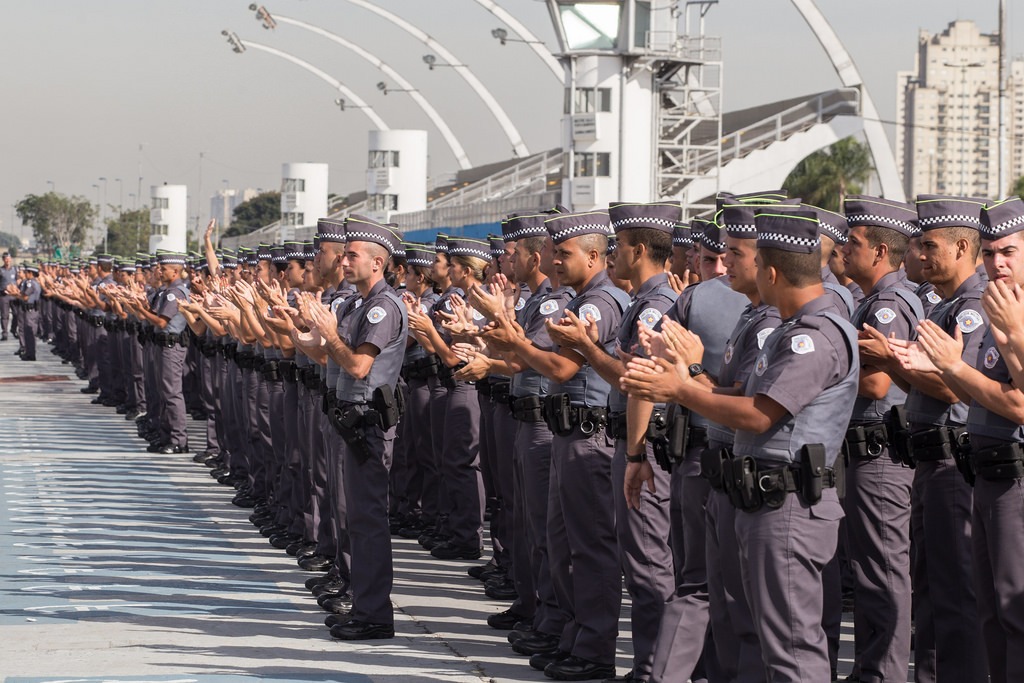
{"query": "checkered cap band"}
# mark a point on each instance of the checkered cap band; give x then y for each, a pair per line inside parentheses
(371, 236)
(786, 239)
(710, 239)
(793, 230)
(1002, 218)
(441, 244)
(522, 226)
(938, 211)
(877, 220)
(681, 236)
(835, 233)
(419, 255)
(662, 216)
(337, 237)
(460, 246)
(950, 220)
(171, 259)
(665, 224)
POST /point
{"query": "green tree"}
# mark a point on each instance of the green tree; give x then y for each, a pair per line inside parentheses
(1018, 188)
(128, 232)
(826, 177)
(10, 243)
(56, 220)
(258, 212)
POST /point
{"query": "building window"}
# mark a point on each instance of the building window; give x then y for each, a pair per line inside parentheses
(382, 158)
(157, 229)
(293, 185)
(161, 203)
(592, 164)
(590, 100)
(293, 218)
(382, 202)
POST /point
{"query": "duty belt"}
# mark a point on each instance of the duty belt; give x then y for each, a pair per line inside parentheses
(943, 443)
(270, 369)
(421, 368)
(528, 409)
(866, 440)
(288, 370)
(1002, 462)
(28, 307)
(500, 391)
(563, 418)
(168, 339)
(750, 488)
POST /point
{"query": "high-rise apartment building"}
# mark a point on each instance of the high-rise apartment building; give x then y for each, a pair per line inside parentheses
(948, 111)
(222, 204)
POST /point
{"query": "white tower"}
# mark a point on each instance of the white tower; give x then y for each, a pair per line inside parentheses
(303, 196)
(168, 218)
(396, 173)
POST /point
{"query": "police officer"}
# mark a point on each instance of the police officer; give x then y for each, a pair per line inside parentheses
(8, 277)
(29, 296)
(169, 324)
(994, 423)
(367, 341)
(879, 476)
(948, 636)
(582, 548)
(789, 423)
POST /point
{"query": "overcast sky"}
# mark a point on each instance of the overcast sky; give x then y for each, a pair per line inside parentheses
(85, 82)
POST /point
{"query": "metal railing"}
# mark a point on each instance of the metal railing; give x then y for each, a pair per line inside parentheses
(489, 211)
(800, 117)
(529, 176)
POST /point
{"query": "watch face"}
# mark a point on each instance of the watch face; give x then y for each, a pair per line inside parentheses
(696, 369)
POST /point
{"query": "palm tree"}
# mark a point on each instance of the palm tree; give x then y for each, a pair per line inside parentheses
(826, 177)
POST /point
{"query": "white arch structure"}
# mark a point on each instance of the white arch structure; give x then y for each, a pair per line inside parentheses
(535, 43)
(878, 143)
(518, 146)
(359, 102)
(428, 109)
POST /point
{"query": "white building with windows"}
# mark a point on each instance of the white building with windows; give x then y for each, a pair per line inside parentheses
(396, 173)
(949, 109)
(168, 217)
(222, 204)
(303, 196)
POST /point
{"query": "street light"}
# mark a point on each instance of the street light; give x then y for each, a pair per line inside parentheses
(120, 194)
(963, 65)
(53, 187)
(97, 187)
(343, 105)
(431, 61)
(263, 15)
(234, 41)
(383, 87)
(502, 36)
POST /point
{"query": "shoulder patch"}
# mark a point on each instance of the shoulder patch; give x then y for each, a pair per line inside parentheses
(762, 365)
(968, 320)
(727, 356)
(477, 315)
(520, 303)
(991, 357)
(548, 307)
(424, 310)
(171, 297)
(650, 317)
(589, 310)
(763, 335)
(334, 304)
(801, 344)
(885, 315)
(376, 314)
(933, 297)
(359, 302)
(448, 305)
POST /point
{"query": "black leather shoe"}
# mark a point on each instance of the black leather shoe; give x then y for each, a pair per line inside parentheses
(271, 529)
(451, 551)
(540, 662)
(503, 590)
(307, 550)
(90, 390)
(538, 644)
(412, 530)
(478, 569)
(578, 669)
(360, 630)
(314, 581)
(220, 472)
(332, 588)
(341, 604)
(521, 630)
(121, 409)
(96, 401)
(315, 563)
(171, 449)
(429, 540)
(504, 621)
(154, 447)
(335, 619)
(108, 402)
(131, 415)
(28, 357)
(282, 541)
(243, 501)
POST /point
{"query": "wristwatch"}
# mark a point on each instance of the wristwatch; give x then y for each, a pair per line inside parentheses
(696, 369)
(639, 457)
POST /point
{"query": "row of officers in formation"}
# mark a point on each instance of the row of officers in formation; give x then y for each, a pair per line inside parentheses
(748, 420)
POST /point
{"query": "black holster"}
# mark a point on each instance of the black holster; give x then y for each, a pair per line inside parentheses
(557, 414)
(669, 440)
(745, 493)
(962, 456)
(385, 407)
(350, 422)
(812, 472)
(715, 466)
(1000, 463)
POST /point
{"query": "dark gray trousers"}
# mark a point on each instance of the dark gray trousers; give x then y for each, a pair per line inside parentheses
(645, 555)
(583, 551)
(782, 555)
(366, 485)
(877, 508)
(461, 466)
(999, 574)
(948, 640)
(172, 424)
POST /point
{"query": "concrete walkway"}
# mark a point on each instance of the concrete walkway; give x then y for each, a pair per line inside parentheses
(116, 564)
